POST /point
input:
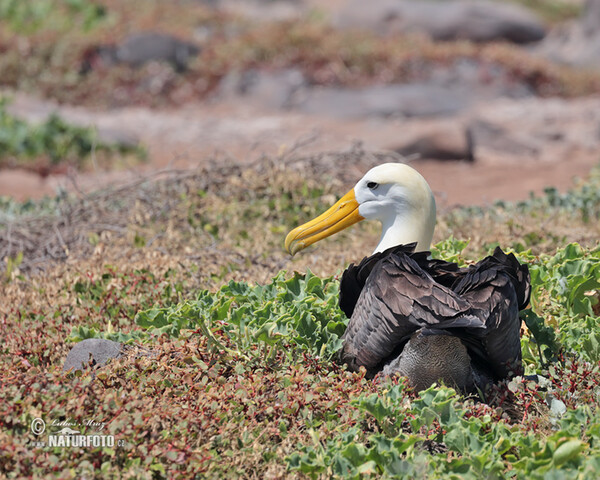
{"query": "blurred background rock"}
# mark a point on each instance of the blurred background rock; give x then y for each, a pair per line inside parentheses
(489, 99)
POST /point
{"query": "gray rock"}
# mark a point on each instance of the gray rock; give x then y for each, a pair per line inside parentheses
(141, 48)
(482, 80)
(576, 43)
(590, 20)
(98, 350)
(450, 141)
(557, 407)
(270, 89)
(441, 90)
(409, 100)
(119, 137)
(496, 137)
(478, 21)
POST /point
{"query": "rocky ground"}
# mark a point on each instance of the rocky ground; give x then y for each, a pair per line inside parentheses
(476, 129)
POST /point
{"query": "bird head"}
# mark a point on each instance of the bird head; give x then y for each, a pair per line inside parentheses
(392, 193)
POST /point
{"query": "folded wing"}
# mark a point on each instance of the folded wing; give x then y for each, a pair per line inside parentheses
(392, 295)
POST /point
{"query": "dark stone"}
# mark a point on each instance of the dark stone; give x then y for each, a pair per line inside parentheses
(482, 80)
(445, 142)
(590, 20)
(495, 137)
(478, 21)
(96, 350)
(271, 89)
(409, 100)
(441, 90)
(576, 43)
(146, 47)
(140, 48)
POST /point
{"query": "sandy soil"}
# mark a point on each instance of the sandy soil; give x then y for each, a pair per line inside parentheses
(200, 133)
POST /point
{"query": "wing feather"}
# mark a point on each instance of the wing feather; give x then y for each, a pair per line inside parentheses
(399, 298)
(391, 295)
(355, 277)
(497, 288)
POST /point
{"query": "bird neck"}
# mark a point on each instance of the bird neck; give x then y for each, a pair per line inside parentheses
(408, 226)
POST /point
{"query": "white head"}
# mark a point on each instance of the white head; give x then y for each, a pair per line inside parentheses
(400, 198)
(393, 193)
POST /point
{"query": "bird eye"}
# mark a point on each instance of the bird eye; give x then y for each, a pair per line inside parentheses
(372, 185)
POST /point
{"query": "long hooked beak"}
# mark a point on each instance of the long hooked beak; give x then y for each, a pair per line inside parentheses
(340, 216)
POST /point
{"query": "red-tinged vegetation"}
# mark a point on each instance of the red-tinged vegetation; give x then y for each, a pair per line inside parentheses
(183, 407)
(256, 409)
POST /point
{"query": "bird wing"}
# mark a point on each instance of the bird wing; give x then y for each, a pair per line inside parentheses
(497, 288)
(398, 298)
(355, 276)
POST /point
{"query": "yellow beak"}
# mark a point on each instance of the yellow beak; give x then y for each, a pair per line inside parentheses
(343, 214)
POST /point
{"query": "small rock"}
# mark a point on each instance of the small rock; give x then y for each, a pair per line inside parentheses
(477, 21)
(576, 43)
(141, 48)
(269, 89)
(118, 137)
(557, 407)
(441, 90)
(145, 47)
(496, 137)
(481, 79)
(409, 100)
(98, 349)
(450, 141)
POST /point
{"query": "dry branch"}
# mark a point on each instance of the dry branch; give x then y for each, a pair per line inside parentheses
(155, 197)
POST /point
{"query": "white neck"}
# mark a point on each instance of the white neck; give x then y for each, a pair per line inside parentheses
(400, 232)
(409, 225)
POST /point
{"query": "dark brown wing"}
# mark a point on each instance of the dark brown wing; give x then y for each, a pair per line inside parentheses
(355, 276)
(398, 298)
(497, 288)
(444, 273)
(391, 295)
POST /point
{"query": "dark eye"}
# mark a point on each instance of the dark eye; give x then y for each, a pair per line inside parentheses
(372, 185)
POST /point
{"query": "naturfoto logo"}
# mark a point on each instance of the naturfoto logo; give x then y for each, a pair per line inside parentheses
(68, 436)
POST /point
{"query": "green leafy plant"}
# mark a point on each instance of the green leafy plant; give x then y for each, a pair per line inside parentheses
(31, 15)
(301, 311)
(566, 286)
(450, 250)
(240, 380)
(111, 296)
(469, 446)
(53, 141)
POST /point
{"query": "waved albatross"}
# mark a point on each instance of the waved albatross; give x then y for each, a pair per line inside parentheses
(422, 318)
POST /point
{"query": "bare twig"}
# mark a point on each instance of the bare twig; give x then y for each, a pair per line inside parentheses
(157, 196)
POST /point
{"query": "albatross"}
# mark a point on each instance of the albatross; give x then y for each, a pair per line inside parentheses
(426, 319)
